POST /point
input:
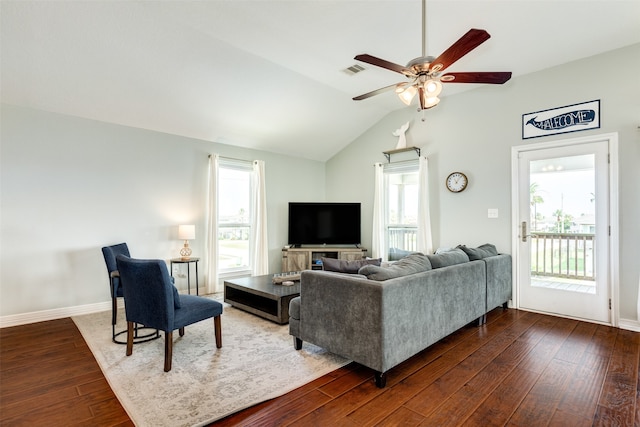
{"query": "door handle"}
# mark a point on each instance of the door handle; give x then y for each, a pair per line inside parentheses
(523, 232)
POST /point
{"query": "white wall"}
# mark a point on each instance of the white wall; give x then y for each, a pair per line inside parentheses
(70, 186)
(473, 132)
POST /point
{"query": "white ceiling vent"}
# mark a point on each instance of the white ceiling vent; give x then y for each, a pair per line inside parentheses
(354, 69)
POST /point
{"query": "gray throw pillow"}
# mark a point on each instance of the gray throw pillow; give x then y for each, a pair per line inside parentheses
(345, 266)
(445, 259)
(481, 252)
(411, 264)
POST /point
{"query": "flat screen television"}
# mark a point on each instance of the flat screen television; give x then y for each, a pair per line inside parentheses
(324, 223)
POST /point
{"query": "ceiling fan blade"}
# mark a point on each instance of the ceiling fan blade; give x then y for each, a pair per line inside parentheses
(491, 77)
(375, 92)
(382, 63)
(472, 39)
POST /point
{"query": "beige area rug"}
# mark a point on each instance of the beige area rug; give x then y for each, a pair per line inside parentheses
(257, 362)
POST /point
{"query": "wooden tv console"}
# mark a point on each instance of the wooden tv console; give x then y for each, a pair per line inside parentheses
(309, 258)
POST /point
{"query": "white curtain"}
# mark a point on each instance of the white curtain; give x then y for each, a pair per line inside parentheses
(378, 236)
(260, 249)
(425, 243)
(211, 243)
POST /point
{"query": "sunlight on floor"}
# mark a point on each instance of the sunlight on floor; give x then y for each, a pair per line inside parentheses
(574, 285)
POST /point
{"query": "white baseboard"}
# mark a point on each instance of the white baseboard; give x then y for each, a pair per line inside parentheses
(59, 313)
(56, 313)
(630, 325)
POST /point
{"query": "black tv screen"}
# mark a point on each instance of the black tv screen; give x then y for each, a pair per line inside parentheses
(324, 223)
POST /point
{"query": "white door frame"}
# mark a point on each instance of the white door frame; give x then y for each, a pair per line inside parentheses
(614, 268)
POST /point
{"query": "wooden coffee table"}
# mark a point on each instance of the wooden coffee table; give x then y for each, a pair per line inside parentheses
(258, 295)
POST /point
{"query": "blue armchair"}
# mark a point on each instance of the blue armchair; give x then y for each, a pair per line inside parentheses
(151, 299)
(110, 253)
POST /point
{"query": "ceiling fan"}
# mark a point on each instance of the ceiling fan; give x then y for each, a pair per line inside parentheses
(425, 72)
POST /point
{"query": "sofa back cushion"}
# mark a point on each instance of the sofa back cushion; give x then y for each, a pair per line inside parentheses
(481, 252)
(345, 266)
(396, 254)
(411, 264)
(445, 259)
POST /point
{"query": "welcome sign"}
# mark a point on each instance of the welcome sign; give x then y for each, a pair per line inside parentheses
(572, 118)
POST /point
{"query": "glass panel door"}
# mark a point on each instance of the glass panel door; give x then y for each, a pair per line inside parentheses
(563, 225)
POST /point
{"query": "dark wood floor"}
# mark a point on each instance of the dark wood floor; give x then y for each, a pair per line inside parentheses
(48, 376)
(519, 369)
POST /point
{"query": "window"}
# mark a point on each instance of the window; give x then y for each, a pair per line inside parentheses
(401, 207)
(234, 216)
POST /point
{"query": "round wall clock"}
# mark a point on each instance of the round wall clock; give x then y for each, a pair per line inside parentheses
(456, 182)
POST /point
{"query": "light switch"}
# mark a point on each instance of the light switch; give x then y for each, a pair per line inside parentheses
(492, 213)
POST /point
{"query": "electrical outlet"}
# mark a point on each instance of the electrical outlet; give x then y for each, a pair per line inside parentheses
(176, 270)
(492, 213)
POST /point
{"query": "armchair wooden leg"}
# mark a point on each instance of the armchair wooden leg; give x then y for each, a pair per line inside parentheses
(168, 350)
(129, 338)
(181, 331)
(218, 328)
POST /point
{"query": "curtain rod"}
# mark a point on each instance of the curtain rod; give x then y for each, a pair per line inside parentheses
(399, 162)
(233, 158)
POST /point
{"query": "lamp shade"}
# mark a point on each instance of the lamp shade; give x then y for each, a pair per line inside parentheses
(431, 101)
(407, 94)
(186, 232)
(432, 88)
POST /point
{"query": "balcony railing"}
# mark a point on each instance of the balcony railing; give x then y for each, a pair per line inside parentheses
(569, 255)
(403, 237)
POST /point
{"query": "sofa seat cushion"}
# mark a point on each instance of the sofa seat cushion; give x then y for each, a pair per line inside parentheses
(346, 266)
(481, 252)
(411, 264)
(445, 259)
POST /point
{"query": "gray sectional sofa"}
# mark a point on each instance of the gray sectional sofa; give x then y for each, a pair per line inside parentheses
(382, 316)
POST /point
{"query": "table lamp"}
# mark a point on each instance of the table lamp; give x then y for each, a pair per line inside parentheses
(186, 233)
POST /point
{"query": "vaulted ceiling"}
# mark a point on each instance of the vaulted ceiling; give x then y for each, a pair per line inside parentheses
(268, 74)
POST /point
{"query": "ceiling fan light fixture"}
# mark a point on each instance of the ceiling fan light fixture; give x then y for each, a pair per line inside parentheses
(400, 87)
(406, 95)
(432, 88)
(430, 101)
